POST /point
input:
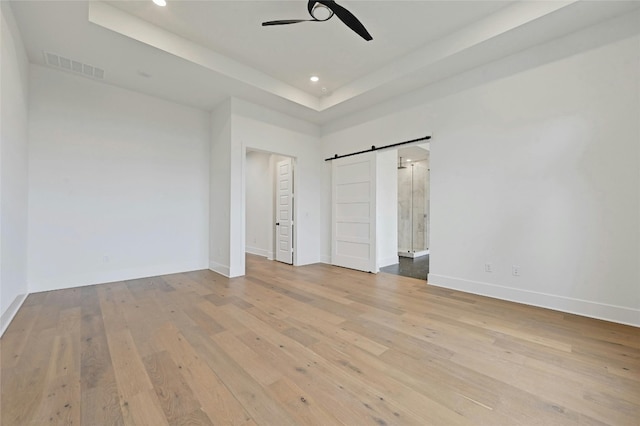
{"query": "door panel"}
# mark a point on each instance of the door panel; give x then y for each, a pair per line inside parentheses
(353, 212)
(284, 210)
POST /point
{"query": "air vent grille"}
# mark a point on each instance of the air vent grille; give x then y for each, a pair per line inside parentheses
(77, 67)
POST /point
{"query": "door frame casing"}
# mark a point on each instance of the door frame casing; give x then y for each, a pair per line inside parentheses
(243, 200)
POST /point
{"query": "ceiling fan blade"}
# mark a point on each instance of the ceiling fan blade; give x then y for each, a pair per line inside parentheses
(285, 22)
(348, 18)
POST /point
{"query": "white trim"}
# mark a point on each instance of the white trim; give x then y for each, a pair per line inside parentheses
(257, 251)
(220, 269)
(116, 20)
(325, 259)
(603, 311)
(101, 277)
(11, 312)
(413, 254)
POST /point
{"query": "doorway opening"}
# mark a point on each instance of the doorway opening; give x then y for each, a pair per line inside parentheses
(269, 206)
(413, 212)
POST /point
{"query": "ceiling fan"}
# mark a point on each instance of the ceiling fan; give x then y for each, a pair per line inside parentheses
(320, 6)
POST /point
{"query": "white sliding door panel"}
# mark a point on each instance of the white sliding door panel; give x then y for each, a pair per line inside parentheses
(353, 220)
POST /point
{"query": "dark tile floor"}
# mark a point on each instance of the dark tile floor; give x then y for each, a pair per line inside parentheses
(414, 268)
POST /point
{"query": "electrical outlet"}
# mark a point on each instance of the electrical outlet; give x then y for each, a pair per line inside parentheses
(515, 270)
(488, 267)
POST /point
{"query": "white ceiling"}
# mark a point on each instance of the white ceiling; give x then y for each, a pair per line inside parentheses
(293, 53)
(413, 153)
(201, 52)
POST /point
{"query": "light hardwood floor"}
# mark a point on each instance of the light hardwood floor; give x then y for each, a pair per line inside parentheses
(309, 345)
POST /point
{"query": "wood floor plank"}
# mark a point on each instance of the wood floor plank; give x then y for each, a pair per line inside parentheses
(100, 401)
(129, 368)
(342, 334)
(175, 396)
(14, 340)
(22, 393)
(540, 382)
(195, 418)
(368, 395)
(182, 282)
(328, 391)
(316, 345)
(255, 399)
(471, 401)
(215, 398)
(61, 402)
(389, 390)
(112, 296)
(305, 410)
(251, 361)
(144, 409)
(101, 405)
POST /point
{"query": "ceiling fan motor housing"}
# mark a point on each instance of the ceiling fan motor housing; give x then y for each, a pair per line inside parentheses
(324, 12)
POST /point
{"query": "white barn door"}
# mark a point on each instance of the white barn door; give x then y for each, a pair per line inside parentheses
(353, 221)
(284, 211)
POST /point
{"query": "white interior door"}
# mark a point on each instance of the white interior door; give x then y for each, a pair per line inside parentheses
(353, 243)
(284, 211)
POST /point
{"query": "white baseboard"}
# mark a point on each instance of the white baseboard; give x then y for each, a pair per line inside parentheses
(107, 276)
(603, 311)
(220, 269)
(11, 312)
(257, 251)
(325, 259)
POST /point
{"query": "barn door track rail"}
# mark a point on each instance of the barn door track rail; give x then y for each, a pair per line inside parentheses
(374, 148)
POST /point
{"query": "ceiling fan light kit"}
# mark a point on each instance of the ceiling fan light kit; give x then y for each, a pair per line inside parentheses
(323, 10)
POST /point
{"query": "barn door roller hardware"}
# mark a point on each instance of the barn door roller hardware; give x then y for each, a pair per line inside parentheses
(374, 148)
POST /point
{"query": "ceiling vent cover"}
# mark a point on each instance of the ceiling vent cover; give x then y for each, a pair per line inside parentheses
(77, 67)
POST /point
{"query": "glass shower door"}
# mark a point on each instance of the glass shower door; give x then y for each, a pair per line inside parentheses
(413, 209)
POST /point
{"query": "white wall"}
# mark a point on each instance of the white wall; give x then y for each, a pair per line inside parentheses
(536, 168)
(259, 202)
(118, 183)
(387, 208)
(13, 168)
(257, 128)
(219, 189)
(239, 126)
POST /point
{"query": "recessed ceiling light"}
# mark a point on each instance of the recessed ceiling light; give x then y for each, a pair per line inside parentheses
(314, 78)
(160, 2)
(408, 160)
